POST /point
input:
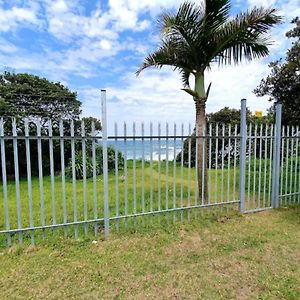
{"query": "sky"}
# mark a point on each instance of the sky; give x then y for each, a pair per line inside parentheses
(92, 45)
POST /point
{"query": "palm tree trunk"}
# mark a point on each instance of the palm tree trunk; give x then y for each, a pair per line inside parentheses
(200, 105)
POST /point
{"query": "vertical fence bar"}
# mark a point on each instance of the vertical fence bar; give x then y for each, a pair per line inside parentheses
(189, 167)
(4, 181)
(276, 157)
(63, 180)
(117, 176)
(85, 208)
(159, 167)
(235, 159)
(17, 179)
(260, 164)
(203, 175)
(174, 176)
(196, 165)
(40, 163)
(229, 163)
(209, 163)
(105, 164)
(181, 171)
(151, 168)
(216, 162)
(29, 184)
(50, 134)
(265, 165)
(143, 170)
(74, 179)
(222, 163)
(291, 163)
(95, 206)
(270, 167)
(243, 135)
(282, 162)
(287, 161)
(296, 165)
(126, 176)
(249, 164)
(167, 166)
(134, 173)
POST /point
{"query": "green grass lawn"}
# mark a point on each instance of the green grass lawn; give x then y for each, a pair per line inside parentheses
(221, 189)
(213, 257)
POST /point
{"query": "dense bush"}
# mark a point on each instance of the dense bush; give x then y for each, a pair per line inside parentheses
(22, 159)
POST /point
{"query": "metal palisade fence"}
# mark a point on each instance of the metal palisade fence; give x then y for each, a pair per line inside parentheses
(63, 177)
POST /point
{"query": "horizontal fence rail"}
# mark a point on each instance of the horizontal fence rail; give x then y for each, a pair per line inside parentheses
(65, 177)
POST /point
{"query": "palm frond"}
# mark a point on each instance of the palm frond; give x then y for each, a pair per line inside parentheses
(243, 37)
(216, 13)
(197, 35)
(165, 21)
(171, 53)
(184, 25)
(185, 75)
(157, 59)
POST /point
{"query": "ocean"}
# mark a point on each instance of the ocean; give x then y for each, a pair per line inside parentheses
(161, 146)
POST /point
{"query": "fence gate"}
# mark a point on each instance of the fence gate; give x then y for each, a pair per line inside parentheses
(269, 164)
(259, 163)
(258, 167)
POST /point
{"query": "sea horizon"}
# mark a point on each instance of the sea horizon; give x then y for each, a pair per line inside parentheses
(162, 148)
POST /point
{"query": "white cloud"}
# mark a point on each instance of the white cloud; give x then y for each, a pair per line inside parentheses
(265, 3)
(286, 8)
(11, 18)
(59, 6)
(66, 22)
(105, 45)
(156, 95)
(141, 6)
(233, 83)
(7, 47)
(67, 26)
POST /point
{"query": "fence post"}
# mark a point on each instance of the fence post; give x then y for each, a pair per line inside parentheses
(105, 166)
(276, 157)
(243, 140)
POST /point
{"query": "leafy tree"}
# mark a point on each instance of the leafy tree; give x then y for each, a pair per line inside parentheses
(29, 96)
(197, 36)
(23, 95)
(283, 84)
(228, 116)
(232, 116)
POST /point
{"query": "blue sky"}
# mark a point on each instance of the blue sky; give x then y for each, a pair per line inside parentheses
(89, 45)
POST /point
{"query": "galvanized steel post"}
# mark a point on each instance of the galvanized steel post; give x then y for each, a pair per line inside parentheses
(276, 157)
(105, 166)
(243, 140)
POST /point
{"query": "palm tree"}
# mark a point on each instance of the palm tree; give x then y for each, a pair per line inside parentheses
(198, 36)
